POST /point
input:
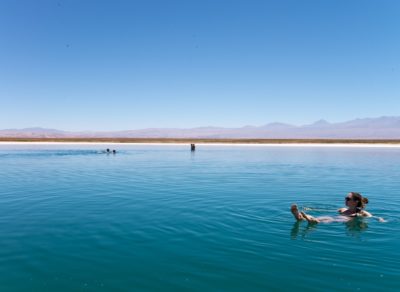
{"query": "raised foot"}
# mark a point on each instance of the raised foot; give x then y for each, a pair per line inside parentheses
(295, 211)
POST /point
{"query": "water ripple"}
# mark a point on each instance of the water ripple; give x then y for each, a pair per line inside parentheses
(159, 217)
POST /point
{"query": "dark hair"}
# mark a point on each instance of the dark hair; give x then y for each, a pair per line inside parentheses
(361, 201)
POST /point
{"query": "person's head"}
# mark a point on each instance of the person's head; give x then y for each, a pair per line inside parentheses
(356, 200)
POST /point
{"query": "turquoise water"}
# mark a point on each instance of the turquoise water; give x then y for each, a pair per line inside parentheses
(163, 218)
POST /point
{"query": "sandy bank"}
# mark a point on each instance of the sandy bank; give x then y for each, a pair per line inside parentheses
(340, 145)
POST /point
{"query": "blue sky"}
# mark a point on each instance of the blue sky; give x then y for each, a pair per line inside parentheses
(117, 65)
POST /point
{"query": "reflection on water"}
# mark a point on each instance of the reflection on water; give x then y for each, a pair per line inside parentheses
(304, 231)
(354, 227)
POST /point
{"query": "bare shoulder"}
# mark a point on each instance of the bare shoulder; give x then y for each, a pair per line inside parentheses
(365, 213)
(342, 210)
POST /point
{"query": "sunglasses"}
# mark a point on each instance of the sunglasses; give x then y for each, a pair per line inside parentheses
(350, 199)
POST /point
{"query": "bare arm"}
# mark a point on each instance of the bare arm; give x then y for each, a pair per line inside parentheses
(365, 213)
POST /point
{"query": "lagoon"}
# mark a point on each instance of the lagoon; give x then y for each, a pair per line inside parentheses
(160, 217)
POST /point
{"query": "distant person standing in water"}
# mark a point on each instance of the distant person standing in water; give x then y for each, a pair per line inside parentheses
(354, 202)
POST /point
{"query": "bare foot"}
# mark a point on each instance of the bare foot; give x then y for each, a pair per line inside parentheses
(295, 211)
(310, 218)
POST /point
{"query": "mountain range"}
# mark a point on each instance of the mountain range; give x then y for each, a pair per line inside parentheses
(366, 128)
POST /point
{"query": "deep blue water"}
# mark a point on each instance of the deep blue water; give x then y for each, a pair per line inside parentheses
(163, 218)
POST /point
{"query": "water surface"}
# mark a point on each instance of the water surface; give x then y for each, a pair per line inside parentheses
(164, 218)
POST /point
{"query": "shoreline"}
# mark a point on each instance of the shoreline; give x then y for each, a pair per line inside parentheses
(334, 145)
(207, 140)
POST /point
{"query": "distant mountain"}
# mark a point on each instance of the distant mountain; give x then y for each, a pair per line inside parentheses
(318, 124)
(367, 128)
(34, 133)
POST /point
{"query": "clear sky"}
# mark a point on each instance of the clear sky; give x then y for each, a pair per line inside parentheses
(118, 65)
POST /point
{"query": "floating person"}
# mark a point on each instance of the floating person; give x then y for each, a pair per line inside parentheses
(355, 203)
(114, 152)
(108, 150)
(192, 147)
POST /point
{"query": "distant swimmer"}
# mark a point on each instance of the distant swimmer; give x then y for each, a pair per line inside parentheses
(192, 147)
(108, 150)
(114, 152)
(355, 203)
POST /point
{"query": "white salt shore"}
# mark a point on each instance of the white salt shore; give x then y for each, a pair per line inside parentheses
(342, 145)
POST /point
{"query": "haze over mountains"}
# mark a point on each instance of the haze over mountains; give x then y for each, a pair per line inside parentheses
(366, 128)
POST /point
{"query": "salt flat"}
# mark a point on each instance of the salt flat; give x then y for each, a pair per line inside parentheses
(356, 145)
